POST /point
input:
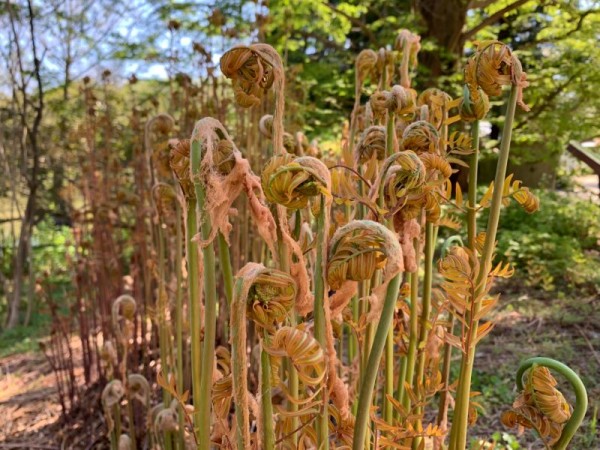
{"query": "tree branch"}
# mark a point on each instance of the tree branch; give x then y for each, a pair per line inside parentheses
(570, 32)
(367, 32)
(492, 19)
(475, 4)
(547, 101)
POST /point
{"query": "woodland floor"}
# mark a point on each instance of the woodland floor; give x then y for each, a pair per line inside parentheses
(528, 325)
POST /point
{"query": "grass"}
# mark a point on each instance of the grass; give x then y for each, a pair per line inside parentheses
(23, 339)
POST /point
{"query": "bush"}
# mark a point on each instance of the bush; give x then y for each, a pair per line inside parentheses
(556, 247)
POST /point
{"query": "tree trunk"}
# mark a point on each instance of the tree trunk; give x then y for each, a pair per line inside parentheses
(19, 261)
(444, 21)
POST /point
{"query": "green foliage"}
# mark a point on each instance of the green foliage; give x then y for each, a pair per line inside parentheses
(22, 338)
(556, 247)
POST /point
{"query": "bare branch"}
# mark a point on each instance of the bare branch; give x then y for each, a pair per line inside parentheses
(368, 33)
(492, 19)
(569, 33)
(475, 4)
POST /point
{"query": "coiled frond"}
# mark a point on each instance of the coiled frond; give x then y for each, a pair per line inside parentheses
(492, 66)
(271, 297)
(357, 250)
(111, 396)
(540, 406)
(165, 202)
(252, 70)
(304, 351)
(166, 419)
(398, 100)
(366, 67)
(371, 145)
(474, 105)
(180, 165)
(437, 102)
(421, 137)
(138, 388)
(225, 174)
(159, 126)
(108, 354)
(291, 181)
(549, 400)
(404, 174)
(123, 312)
(409, 45)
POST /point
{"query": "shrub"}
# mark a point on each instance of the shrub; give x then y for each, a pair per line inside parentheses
(558, 246)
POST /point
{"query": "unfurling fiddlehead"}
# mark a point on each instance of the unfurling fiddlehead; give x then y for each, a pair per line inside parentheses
(404, 174)
(371, 145)
(123, 315)
(540, 405)
(111, 397)
(492, 66)
(291, 181)
(180, 165)
(158, 154)
(356, 251)
(265, 126)
(409, 45)
(254, 69)
(251, 69)
(139, 389)
(271, 297)
(266, 296)
(123, 312)
(304, 351)
(421, 137)
(398, 100)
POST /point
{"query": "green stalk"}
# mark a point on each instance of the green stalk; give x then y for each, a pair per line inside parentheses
(225, 260)
(472, 194)
(294, 389)
(210, 306)
(268, 438)
(238, 363)
(458, 434)
(581, 398)
(293, 380)
(446, 365)
(352, 340)
(356, 304)
(370, 374)
(389, 344)
(162, 326)
(195, 309)
(471, 235)
(388, 410)
(400, 387)
(426, 303)
(413, 335)
(425, 311)
(227, 272)
(179, 322)
(322, 421)
(117, 416)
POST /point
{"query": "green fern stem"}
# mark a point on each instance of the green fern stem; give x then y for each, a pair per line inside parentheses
(370, 374)
(458, 433)
(581, 398)
(210, 307)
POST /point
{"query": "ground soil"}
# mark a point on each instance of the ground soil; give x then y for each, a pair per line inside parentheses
(527, 324)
